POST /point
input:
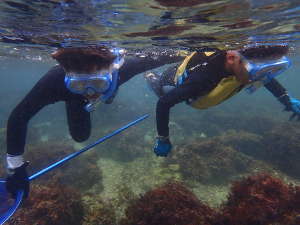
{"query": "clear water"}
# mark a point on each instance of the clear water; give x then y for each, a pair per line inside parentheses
(31, 30)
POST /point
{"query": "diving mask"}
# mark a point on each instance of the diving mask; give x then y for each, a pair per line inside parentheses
(103, 82)
(262, 73)
(267, 70)
(88, 83)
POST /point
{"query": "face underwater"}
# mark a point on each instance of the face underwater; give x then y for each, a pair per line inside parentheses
(88, 84)
(248, 71)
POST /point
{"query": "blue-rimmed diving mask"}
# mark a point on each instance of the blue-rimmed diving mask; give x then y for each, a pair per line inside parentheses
(88, 84)
(260, 73)
(103, 82)
(97, 83)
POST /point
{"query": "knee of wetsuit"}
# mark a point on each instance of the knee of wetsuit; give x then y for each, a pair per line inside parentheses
(80, 137)
(163, 103)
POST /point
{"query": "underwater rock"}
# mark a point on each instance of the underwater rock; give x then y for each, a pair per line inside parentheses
(243, 141)
(261, 199)
(282, 148)
(279, 146)
(209, 161)
(169, 204)
(48, 205)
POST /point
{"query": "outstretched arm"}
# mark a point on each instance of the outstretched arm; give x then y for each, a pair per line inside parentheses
(162, 144)
(46, 91)
(291, 104)
(170, 99)
(140, 63)
(40, 95)
(276, 88)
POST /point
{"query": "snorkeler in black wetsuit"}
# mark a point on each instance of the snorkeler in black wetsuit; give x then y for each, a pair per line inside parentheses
(208, 78)
(84, 77)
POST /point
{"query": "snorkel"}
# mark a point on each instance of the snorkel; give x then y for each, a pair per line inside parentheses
(92, 105)
(109, 94)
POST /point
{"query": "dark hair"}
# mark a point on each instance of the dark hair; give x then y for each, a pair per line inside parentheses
(263, 52)
(84, 59)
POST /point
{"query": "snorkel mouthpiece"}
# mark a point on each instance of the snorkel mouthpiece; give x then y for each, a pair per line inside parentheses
(92, 105)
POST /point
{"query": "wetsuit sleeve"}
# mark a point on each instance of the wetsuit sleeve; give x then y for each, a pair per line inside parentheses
(276, 88)
(136, 65)
(167, 101)
(41, 94)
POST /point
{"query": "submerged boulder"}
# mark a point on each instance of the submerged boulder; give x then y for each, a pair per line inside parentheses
(282, 148)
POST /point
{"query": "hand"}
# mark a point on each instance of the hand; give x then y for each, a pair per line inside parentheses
(295, 108)
(17, 179)
(162, 146)
(291, 105)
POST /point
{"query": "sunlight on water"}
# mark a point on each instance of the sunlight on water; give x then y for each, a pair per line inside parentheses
(132, 24)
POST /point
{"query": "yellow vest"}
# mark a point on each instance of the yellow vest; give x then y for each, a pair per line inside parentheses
(225, 89)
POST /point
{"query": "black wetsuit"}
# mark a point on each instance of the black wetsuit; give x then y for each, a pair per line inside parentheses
(204, 74)
(51, 88)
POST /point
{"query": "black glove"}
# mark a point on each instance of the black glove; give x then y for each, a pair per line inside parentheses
(291, 105)
(17, 179)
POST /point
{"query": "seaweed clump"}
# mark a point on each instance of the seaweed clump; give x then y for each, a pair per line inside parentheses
(261, 199)
(48, 205)
(169, 204)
